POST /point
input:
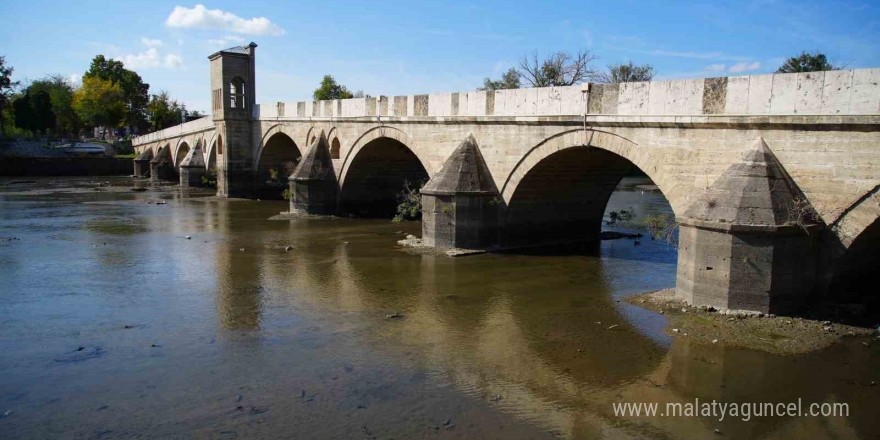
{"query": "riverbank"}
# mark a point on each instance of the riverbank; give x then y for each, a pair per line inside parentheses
(65, 166)
(781, 335)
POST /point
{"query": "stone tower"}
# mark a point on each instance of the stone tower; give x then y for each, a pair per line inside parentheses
(232, 107)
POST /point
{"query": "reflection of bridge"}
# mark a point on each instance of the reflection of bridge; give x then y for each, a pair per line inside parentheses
(495, 330)
(755, 168)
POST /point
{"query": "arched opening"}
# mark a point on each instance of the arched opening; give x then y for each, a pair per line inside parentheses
(236, 93)
(277, 161)
(182, 151)
(211, 163)
(377, 176)
(574, 194)
(852, 285)
(334, 148)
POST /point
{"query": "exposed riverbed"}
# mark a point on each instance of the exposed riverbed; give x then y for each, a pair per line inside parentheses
(124, 318)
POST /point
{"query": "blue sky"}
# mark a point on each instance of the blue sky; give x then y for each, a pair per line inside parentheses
(407, 47)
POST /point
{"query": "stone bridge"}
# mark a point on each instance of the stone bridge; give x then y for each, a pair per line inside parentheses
(773, 178)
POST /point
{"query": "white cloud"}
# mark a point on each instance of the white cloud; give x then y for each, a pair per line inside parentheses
(588, 37)
(74, 78)
(151, 59)
(716, 67)
(227, 41)
(200, 17)
(745, 67)
(149, 42)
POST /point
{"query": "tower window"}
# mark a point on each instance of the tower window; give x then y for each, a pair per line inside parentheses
(236, 93)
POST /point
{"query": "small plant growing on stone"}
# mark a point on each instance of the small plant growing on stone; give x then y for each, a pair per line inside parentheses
(409, 203)
(624, 215)
(801, 214)
(286, 194)
(662, 228)
(210, 179)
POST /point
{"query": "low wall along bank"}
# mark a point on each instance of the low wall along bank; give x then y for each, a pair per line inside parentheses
(65, 166)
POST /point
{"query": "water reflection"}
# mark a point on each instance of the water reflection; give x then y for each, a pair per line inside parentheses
(540, 339)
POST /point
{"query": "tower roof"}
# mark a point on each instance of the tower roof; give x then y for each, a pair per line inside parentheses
(235, 50)
(754, 192)
(465, 172)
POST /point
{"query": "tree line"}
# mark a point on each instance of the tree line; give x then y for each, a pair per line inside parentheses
(110, 97)
(567, 69)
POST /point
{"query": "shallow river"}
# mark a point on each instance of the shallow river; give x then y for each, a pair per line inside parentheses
(115, 325)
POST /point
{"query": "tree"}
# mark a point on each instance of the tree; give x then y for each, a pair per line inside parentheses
(163, 112)
(99, 103)
(329, 89)
(559, 69)
(33, 112)
(509, 80)
(60, 92)
(622, 73)
(135, 93)
(806, 62)
(6, 87)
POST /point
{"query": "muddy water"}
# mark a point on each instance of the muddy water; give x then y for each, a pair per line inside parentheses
(115, 325)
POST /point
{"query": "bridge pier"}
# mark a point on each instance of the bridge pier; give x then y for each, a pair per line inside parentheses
(162, 167)
(460, 204)
(142, 163)
(750, 242)
(313, 182)
(192, 168)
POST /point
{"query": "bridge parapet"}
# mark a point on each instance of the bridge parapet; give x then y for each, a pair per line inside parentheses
(839, 92)
(202, 124)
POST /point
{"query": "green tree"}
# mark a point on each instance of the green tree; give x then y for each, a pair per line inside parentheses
(135, 93)
(6, 88)
(806, 62)
(60, 92)
(329, 89)
(509, 80)
(33, 112)
(163, 112)
(558, 69)
(625, 72)
(99, 103)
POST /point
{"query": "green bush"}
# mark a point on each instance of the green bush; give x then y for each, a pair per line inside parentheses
(409, 203)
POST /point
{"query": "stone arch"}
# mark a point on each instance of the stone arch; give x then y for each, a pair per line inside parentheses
(277, 128)
(854, 220)
(180, 151)
(610, 142)
(273, 166)
(376, 133)
(210, 150)
(560, 190)
(853, 273)
(376, 169)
